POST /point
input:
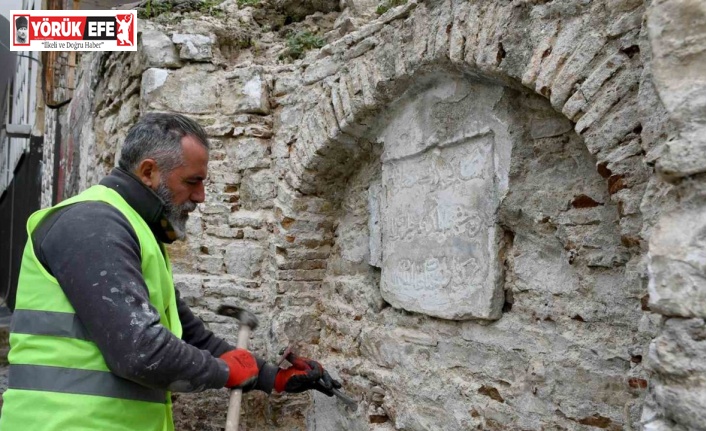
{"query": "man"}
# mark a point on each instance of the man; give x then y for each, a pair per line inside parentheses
(21, 26)
(124, 30)
(99, 335)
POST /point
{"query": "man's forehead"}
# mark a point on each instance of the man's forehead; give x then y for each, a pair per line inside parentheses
(190, 141)
(195, 154)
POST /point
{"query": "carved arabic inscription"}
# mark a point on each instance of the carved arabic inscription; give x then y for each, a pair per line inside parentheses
(438, 228)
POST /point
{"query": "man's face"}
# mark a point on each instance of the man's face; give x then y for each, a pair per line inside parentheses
(22, 33)
(182, 188)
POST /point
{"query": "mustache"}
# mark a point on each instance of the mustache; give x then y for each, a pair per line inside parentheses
(170, 208)
(188, 206)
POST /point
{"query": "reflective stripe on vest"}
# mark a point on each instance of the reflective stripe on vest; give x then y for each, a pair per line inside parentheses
(76, 381)
(69, 380)
(48, 323)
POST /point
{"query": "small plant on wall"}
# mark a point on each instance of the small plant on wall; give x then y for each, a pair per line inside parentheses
(150, 9)
(208, 7)
(300, 42)
(388, 4)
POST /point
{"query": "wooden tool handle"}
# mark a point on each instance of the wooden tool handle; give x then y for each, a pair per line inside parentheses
(243, 337)
(233, 417)
(236, 395)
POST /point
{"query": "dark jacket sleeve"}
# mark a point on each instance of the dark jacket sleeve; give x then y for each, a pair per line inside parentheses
(196, 334)
(93, 252)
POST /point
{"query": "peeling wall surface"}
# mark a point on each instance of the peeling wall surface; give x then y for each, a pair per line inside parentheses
(477, 214)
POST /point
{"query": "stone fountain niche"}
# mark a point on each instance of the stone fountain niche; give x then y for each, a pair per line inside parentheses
(434, 215)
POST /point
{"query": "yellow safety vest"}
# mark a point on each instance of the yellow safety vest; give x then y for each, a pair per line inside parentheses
(58, 378)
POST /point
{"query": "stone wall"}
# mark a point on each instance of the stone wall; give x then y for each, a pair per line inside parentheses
(70, 143)
(477, 214)
(676, 266)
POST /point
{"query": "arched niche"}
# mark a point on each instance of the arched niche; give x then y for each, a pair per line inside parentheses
(562, 318)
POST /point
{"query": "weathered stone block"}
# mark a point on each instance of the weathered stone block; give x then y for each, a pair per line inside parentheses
(301, 274)
(157, 50)
(214, 208)
(437, 254)
(221, 231)
(676, 31)
(678, 349)
(249, 153)
(245, 94)
(683, 157)
(194, 226)
(152, 80)
(255, 234)
(211, 264)
(320, 70)
(223, 172)
(187, 90)
(244, 259)
(258, 190)
(247, 219)
(196, 47)
(677, 355)
(218, 127)
(662, 425)
(296, 325)
(677, 265)
(440, 240)
(543, 267)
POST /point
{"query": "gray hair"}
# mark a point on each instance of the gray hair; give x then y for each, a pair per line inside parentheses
(158, 136)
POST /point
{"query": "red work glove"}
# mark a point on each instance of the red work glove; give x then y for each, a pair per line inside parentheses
(243, 369)
(303, 375)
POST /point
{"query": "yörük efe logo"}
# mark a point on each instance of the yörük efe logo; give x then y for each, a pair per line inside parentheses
(69, 30)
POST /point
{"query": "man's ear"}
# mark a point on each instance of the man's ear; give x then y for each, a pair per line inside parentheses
(148, 172)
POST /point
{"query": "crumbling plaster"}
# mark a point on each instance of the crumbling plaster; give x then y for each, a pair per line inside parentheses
(596, 251)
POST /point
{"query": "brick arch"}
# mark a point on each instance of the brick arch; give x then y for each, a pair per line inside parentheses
(587, 70)
(588, 73)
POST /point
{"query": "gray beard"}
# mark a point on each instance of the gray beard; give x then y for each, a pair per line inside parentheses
(177, 215)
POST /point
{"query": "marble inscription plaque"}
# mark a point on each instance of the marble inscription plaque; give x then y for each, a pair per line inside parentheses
(438, 230)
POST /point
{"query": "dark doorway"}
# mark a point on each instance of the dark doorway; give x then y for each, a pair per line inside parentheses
(19, 201)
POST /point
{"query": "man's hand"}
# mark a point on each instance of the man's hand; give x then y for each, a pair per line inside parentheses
(303, 375)
(243, 369)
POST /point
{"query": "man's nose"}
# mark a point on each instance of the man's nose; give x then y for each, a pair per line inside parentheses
(199, 195)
